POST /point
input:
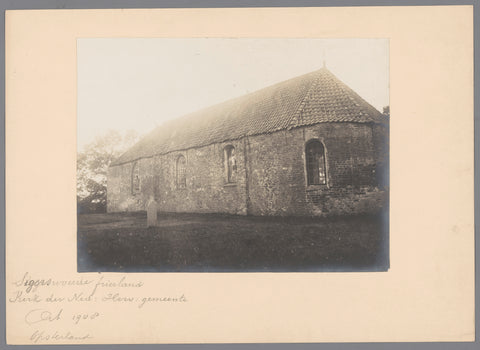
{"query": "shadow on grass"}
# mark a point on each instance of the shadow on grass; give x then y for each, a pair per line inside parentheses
(121, 242)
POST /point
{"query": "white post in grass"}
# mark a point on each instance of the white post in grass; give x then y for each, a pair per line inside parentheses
(151, 213)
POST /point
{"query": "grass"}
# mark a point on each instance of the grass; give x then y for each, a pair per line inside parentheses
(228, 243)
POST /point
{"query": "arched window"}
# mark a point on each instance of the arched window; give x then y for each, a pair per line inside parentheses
(315, 157)
(135, 178)
(181, 175)
(230, 164)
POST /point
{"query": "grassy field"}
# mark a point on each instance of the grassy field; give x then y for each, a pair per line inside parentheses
(224, 243)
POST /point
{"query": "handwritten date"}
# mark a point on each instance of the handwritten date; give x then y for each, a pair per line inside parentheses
(42, 315)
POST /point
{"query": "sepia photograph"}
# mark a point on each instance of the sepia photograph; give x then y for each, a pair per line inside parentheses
(232, 155)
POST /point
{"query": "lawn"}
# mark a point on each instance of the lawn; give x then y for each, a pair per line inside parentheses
(228, 243)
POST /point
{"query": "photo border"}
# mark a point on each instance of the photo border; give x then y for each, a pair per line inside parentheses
(112, 4)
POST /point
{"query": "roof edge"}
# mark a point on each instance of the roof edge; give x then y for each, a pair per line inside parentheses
(114, 163)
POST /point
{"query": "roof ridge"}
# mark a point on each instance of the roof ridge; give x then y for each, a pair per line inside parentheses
(304, 101)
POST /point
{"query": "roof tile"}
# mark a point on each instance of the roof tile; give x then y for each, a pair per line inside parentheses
(316, 97)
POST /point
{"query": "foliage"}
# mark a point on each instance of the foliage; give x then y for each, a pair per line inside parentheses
(92, 167)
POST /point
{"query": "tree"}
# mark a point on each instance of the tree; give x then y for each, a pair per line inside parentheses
(92, 166)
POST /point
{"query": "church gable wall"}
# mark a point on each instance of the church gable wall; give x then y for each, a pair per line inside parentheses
(277, 172)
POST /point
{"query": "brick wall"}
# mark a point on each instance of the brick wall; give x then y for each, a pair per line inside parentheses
(120, 196)
(382, 150)
(206, 190)
(277, 184)
(270, 176)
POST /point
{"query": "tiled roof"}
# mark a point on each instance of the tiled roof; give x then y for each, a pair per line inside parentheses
(316, 97)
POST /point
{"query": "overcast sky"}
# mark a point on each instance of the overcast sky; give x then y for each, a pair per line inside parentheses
(139, 83)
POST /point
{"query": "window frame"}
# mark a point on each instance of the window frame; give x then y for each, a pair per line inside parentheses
(136, 182)
(308, 164)
(230, 170)
(181, 184)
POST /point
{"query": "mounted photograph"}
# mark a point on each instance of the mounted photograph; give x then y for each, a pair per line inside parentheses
(232, 155)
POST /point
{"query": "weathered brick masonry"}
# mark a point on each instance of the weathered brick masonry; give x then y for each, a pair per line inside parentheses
(269, 131)
(278, 181)
(271, 178)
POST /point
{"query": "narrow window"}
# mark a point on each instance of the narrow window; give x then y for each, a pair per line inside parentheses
(230, 164)
(181, 172)
(315, 157)
(135, 178)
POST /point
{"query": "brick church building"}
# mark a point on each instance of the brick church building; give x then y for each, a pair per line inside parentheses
(306, 146)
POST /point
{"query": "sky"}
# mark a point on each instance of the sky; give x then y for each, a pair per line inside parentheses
(137, 84)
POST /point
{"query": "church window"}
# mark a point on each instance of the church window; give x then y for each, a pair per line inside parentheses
(135, 178)
(181, 176)
(315, 158)
(230, 164)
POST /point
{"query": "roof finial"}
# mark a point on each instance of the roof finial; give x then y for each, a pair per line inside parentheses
(324, 62)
